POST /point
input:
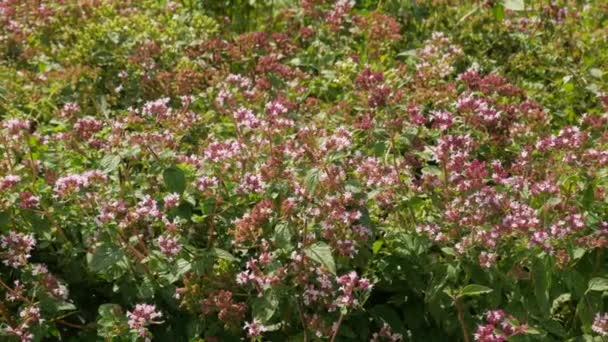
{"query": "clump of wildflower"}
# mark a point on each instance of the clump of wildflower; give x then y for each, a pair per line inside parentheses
(203, 183)
(142, 316)
(252, 184)
(27, 200)
(386, 334)
(49, 282)
(350, 284)
(16, 126)
(222, 302)
(600, 324)
(28, 316)
(69, 110)
(254, 328)
(76, 182)
(158, 109)
(9, 181)
(338, 13)
(16, 248)
(247, 228)
(487, 260)
(498, 327)
(245, 118)
(432, 231)
(222, 150)
(442, 120)
(171, 200)
(86, 127)
(169, 245)
(147, 208)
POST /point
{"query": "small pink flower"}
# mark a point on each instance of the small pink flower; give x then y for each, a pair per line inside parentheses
(142, 316)
(600, 324)
(16, 126)
(254, 328)
(9, 181)
(17, 247)
(169, 245)
(171, 200)
(204, 183)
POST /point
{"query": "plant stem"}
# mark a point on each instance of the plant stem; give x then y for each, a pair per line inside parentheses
(304, 328)
(333, 337)
(6, 314)
(465, 332)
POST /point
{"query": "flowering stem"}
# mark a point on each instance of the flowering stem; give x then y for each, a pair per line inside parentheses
(32, 162)
(211, 231)
(8, 155)
(335, 334)
(599, 256)
(74, 325)
(304, 328)
(12, 292)
(6, 314)
(465, 332)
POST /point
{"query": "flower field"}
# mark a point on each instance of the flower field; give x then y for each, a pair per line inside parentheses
(303, 170)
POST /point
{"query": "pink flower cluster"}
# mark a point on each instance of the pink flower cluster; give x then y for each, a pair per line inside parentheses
(28, 316)
(142, 316)
(498, 328)
(600, 324)
(9, 181)
(16, 248)
(386, 334)
(76, 182)
(254, 328)
(258, 276)
(16, 126)
(86, 127)
(169, 245)
(350, 284)
(205, 182)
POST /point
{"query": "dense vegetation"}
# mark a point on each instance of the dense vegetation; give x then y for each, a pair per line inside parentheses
(224, 170)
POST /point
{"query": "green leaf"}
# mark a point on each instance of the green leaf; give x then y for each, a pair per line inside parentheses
(595, 72)
(282, 236)
(184, 211)
(579, 253)
(222, 254)
(175, 180)
(541, 277)
(264, 308)
(146, 288)
(385, 313)
(448, 251)
(110, 316)
(50, 304)
(588, 195)
(377, 246)
(598, 284)
(65, 306)
(5, 219)
(554, 327)
(109, 311)
(514, 5)
(110, 162)
(584, 314)
(107, 259)
(408, 53)
(321, 253)
(474, 290)
(499, 12)
(312, 179)
(532, 331)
